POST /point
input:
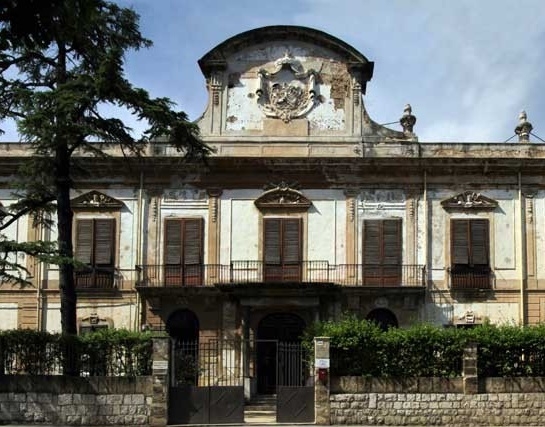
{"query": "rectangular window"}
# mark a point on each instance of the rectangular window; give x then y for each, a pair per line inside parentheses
(282, 252)
(95, 243)
(470, 265)
(184, 251)
(382, 252)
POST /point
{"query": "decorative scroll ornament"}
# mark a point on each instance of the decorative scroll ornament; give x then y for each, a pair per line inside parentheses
(469, 200)
(96, 200)
(282, 196)
(288, 91)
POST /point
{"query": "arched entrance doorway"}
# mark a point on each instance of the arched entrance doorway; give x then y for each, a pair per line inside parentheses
(183, 327)
(384, 318)
(275, 332)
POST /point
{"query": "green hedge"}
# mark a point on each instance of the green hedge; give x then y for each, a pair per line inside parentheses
(108, 352)
(361, 348)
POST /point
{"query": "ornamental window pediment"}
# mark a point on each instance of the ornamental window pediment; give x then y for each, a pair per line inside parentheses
(96, 200)
(282, 196)
(469, 200)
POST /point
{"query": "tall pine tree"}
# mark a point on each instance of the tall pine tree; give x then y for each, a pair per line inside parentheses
(61, 62)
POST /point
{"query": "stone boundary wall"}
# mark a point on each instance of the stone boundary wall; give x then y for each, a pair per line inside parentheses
(422, 401)
(75, 400)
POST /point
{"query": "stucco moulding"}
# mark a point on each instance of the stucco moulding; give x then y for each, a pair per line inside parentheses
(282, 197)
(469, 200)
(185, 195)
(96, 200)
(287, 91)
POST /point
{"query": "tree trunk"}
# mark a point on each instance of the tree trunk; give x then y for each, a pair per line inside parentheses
(64, 227)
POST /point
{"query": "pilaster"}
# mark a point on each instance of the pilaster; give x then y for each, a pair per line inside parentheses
(160, 383)
(351, 225)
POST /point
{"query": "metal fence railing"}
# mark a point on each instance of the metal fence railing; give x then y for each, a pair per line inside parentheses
(243, 272)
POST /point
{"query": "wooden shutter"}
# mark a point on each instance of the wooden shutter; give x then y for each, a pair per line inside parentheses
(84, 241)
(371, 242)
(173, 241)
(391, 241)
(192, 241)
(382, 242)
(104, 241)
(479, 242)
(291, 241)
(272, 252)
(459, 237)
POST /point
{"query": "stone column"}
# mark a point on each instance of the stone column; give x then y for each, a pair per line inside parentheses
(322, 406)
(160, 382)
(469, 370)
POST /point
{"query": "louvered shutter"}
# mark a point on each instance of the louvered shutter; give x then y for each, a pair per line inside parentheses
(192, 241)
(272, 252)
(479, 242)
(84, 240)
(104, 242)
(391, 242)
(291, 241)
(173, 242)
(459, 235)
(372, 242)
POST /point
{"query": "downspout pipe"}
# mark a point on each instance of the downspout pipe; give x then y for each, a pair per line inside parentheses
(139, 242)
(523, 251)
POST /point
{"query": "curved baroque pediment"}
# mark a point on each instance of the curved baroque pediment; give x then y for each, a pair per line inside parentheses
(469, 200)
(95, 200)
(282, 196)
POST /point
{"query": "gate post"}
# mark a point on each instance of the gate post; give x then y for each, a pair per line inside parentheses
(159, 374)
(322, 406)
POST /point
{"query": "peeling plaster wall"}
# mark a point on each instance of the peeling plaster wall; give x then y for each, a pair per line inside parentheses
(497, 313)
(8, 316)
(243, 112)
(121, 313)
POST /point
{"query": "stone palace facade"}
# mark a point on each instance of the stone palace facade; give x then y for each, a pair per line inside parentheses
(307, 209)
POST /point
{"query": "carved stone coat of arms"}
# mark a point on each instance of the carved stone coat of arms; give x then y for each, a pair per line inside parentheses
(288, 91)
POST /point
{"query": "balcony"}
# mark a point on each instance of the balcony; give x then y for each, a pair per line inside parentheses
(95, 278)
(254, 272)
(470, 278)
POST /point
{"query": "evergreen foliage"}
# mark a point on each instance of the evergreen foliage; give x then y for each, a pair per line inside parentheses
(107, 352)
(61, 64)
(361, 348)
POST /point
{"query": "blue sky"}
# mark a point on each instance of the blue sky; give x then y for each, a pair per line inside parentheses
(467, 67)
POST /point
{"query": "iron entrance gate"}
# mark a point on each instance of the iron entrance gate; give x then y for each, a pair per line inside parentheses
(209, 380)
(295, 387)
(206, 383)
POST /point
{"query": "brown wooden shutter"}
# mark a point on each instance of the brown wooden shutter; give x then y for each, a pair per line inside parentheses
(391, 241)
(272, 244)
(479, 242)
(459, 237)
(104, 242)
(84, 240)
(372, 242)
(291, 241)
(192, 241)
(173, 242)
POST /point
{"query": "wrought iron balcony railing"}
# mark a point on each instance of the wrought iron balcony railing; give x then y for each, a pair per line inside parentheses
(470, 278)
(241, 272)
(95, 278)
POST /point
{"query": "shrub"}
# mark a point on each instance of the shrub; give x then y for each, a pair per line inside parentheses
(360, 348)
(103, 353)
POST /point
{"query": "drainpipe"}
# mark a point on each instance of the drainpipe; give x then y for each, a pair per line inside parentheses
(139, 242)
(426, 219)
(522, 242)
